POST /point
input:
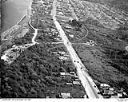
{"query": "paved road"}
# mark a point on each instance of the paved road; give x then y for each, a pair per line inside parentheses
(86, 80)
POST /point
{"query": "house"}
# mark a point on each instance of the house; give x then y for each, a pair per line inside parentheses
(64, 73)
(71, 35)
(111, 91)
(119, 95)
(76, 82)
(105, 92)
(73, 73)
(77, 79)
(69, 83)
(104, 86)
(126, 48)
(47, 96)
(63, 57)
(66, 95)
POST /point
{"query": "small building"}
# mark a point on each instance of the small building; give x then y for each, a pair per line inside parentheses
(63, 58)
(124, 93)
(111, 92)
(119, 95)
(73, 73)
(70, 35)
(77, 79)
(62, 52)
(105, 92)
(76, 82)
(68, 26)
(64, 73)
(111, 89)
(126, 48)
(69, 83)
(47, 96)
(66, 95)
(60, 13)
(104, 86)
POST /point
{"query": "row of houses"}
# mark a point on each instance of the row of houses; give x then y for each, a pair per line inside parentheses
(74, 82)
(109, 92)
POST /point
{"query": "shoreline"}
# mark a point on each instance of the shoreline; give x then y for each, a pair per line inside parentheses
(26, 17)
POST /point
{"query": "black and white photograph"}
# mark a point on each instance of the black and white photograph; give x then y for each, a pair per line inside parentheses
(64, 49)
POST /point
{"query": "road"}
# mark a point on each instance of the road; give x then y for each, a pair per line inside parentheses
(14, 55)
(82, 72)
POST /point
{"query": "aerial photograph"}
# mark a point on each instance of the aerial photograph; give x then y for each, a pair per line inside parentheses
(64, 49)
